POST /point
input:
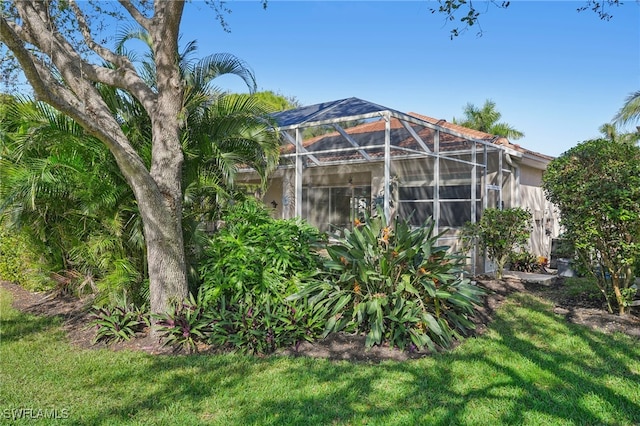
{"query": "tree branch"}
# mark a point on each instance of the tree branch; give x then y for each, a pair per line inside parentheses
(89, 109)
(77, 72)
(104, 53)
(27, 60)
(20, 33)
(135, 14)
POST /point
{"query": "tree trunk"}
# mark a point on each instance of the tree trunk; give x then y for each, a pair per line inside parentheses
(165, 253)
(500, 262)
(615, 283)
(165, 242)
(158, 191)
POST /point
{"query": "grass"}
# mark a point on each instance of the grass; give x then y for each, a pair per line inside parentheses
(531, 368)
(585, 286)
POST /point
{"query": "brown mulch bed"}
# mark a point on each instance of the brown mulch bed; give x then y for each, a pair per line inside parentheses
(74, 313)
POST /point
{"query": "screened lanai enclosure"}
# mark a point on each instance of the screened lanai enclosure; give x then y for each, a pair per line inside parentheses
(344, 158)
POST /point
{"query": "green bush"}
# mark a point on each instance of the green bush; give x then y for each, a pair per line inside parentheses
(18, 262)
(396, 285)
(499, 232)
(11, 251)
(251, 265)
(260, 324)
(596, 187)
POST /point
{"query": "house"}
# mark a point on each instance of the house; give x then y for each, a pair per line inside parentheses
(365, 155)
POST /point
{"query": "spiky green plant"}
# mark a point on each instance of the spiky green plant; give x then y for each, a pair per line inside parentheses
(395, 284)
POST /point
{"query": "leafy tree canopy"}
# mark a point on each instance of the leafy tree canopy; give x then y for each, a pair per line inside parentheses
(466, 13)
(275, 102)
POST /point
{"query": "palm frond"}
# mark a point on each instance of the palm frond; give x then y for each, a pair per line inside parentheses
(218, 64)
(486, 119)
(630, 111)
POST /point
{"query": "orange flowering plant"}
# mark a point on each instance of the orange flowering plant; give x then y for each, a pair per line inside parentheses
(395, 284)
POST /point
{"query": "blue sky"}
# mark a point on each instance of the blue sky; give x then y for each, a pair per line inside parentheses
(554, 73)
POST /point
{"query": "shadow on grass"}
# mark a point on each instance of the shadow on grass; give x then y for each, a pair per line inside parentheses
(531, 368)
(17, 329)
(522, 374)
(16, 326)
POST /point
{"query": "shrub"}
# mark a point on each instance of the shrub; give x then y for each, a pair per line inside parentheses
(185, 325)
(499, 232)
(258, 324)
(117, 323)
(251, 265)
(526, 262)
(395, 284)
(18, 262)
(596, 186)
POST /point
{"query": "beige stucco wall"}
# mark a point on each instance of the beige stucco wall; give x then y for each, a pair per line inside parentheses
(545, 216)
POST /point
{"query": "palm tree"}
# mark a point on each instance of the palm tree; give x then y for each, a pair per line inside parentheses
(63, 188)
(612, 132)
(221, 131)
(486, 119)
(630, 111)
(74, 199)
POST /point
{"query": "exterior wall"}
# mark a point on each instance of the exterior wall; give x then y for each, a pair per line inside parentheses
(274, 197)
(545, 216)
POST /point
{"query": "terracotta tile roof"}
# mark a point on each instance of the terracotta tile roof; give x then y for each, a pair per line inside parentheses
(476, 134)
(403, 138)
(480, 135)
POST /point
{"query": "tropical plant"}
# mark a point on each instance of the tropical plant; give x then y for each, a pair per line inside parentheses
(487, 119)
(256, 253)
(222, 133)
(630, 111)
(524, 261)
(250, 267)
(185, 326)
(119, 322)
(68, 68)
(92, 221)
(612, 132)
(500, 233)
(62, 189)
(395, 284)
(261, 323)
(596, 186)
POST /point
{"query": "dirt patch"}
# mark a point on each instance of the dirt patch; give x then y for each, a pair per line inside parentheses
(576, 309)
(75, 314)
(587, 310)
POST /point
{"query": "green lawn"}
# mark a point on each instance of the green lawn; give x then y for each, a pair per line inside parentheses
(530, 368)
